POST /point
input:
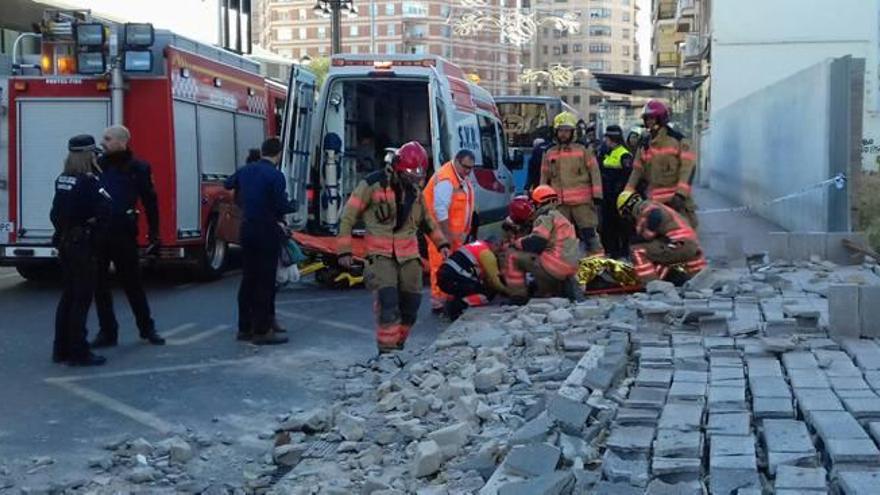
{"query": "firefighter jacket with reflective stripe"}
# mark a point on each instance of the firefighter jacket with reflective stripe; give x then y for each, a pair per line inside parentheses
(667, 165)
(572, 170)
(392, 215)
(560, 257)
(655, 220)
(461, 208)
(477, 262)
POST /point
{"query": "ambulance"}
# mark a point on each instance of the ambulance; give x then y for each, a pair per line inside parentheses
(371, 103)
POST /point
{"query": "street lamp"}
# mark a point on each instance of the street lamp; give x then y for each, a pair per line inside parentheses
(334, 8)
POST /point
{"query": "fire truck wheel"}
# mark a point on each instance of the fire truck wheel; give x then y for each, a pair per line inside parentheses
(215, 254)
(39, 272)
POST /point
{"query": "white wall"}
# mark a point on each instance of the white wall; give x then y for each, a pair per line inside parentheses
(756, 43)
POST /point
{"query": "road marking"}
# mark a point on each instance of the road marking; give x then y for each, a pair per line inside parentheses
(8, 275)
(313, 299)
(178, 329)
(148, 371)
(185, 286)
(328, 323)
(199, 336)
(143, 417)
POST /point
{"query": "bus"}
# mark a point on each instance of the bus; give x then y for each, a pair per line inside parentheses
(526, 118)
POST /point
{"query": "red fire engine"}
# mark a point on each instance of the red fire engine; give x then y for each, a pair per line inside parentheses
(193, 116)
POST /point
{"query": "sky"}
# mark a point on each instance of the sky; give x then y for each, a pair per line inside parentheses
(644, 34)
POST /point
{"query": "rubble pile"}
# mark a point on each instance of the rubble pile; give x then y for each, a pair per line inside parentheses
(728, 385)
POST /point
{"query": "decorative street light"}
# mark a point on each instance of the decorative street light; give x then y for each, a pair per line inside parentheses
(334, 10)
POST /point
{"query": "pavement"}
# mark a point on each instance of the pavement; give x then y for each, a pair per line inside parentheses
(203, 380)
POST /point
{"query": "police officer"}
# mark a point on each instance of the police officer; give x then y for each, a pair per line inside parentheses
(262, 192)
(127, 180)
(80, 210)
(615, 166)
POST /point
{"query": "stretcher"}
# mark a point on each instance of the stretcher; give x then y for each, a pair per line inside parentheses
(321, 262)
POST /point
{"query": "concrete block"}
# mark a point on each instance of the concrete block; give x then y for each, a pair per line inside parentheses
(869, 310)
(840, 383)
(727, 399)
(427, 459)
(658, 487)
(783, 435)
(533, 431)
(835, 252)
(866, 353)
(686, 391)
(837, 425)
(860, 482)
(852, 451)
(451, 438)
(803, 245)
(629, 416)
(631, 439)
(843, 311)
(649, 377)
(683, 417)
(532, 460)
(646, 397)
(675, 466)
(738, 423)
(611, 488)
(731, 445)
(808, 378)
(551, 484)
(863, 408)
(817, 399)
(733, 474)
(571, 415)
(804, 479)
(690, 376)
(773, 407)
(674, 443)
(779, 246)
(631, 469)
(803, 459)
(768, 386)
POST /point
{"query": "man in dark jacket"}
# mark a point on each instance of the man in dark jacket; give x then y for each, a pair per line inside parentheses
(615, 166)
(127, 180)
(261, 190)
(533, 177)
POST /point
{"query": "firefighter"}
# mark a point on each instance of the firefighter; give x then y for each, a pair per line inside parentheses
(80, 210)
(471, 277)
(391, 206)
(666, 165)
(665, 240)
(127, 180)
(261, 190)
(616, 166)
(449, 199)
(571, 170)
(549, 253)
(518, 221)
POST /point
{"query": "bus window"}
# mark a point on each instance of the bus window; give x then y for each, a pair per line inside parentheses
(524, 122)
(488, 142)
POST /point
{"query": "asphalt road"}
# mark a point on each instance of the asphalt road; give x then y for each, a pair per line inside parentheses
(203, 380)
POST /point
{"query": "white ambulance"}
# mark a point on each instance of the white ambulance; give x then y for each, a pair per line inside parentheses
(372, 102)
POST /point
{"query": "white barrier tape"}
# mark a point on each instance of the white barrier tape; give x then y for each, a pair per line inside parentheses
(838, 180)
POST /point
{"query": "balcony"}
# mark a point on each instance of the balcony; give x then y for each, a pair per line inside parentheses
(666, 10)
(668, 59)
(687, 8)
(692, 49)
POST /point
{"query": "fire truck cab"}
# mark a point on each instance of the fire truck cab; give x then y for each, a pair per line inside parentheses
(193, 116)
(370, 103)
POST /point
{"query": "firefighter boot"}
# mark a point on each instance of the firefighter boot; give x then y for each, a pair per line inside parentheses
(268, 338)
(386, 308)
(409, 310)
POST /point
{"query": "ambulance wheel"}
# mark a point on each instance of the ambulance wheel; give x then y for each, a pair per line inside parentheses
(39, 272)
(215, 254)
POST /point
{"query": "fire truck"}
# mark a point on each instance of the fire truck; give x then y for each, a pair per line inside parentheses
(194, 112)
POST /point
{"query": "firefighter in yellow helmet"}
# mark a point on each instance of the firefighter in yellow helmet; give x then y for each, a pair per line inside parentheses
(571, 169)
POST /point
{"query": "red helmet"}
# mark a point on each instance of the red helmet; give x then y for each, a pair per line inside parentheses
(411, 161)
(543, 194)
(521, 209)
(657, 110)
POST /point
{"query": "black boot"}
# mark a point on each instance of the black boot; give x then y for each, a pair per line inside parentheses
(104, 340)
(152, 337)
(88, 360)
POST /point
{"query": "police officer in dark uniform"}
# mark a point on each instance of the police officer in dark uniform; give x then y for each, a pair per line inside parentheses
(127, 180)
(80, 211)
(261, 191)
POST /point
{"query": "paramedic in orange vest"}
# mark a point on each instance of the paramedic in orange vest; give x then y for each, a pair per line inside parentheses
(665, 240)
(390, 204)
(449, 198)
(572, 170)
(666, 166)
(471, 277)
(549, 253)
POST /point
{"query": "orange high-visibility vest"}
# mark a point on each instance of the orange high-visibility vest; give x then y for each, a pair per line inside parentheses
(461, 208)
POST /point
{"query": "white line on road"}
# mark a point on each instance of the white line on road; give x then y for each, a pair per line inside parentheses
(313, 299)
(328, 323)
(9, 275)
(143, 417)
(178, 329)
(149, 371)
(199, 336)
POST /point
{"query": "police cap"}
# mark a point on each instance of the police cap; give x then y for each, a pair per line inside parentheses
(81, 142)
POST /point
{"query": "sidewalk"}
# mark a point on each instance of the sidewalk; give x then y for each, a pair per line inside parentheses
(727, 236)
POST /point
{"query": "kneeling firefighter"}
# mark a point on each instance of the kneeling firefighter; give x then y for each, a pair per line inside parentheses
(391, 206)
(666, 240)
(470, 276)
(549, 253)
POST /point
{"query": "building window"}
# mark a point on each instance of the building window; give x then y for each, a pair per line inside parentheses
(577, 83)
(391, 30)
(303, 33)
(322, 32)
(626, 17)
(599, 13)
(322, 50)
(546, 32)
(600, 30)
(353, 30)
(444, 11)
(577, 48)
(626, 50)
(599, 65)
(625, 34)
(576, 99)
(415, 9)
(389, 9)
(556, 50)
(283, 34)
(544, 49)
(565, 49)
(419, 49)
(564, 98)
(600, 48)
(595, 100)
(303, 15)
(391, 48)
(446, 31)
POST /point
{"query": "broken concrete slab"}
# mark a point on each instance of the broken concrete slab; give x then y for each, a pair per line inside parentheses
(631, 439)
(532, 460)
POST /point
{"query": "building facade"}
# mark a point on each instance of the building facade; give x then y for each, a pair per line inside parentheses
(293, 29)
(605, 42)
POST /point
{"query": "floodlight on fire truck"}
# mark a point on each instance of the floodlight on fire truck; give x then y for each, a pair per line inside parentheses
(137, 61)
(91, 63)
(138, 35)
(90, 34)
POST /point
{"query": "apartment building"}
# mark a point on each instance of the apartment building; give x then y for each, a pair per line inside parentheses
(294, 29)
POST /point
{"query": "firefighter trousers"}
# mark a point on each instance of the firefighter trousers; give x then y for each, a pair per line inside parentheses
(464, 291)
(519, 263)
(586, 221)
(79, 270)
(398, 293)
(652, 260)
(120, 248)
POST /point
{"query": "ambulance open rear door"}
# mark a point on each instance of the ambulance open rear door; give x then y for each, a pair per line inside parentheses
(297, 138)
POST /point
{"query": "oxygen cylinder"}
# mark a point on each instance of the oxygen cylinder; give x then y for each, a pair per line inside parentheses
(331, 197)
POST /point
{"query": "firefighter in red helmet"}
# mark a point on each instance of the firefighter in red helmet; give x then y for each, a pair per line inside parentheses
(391, 206)
(666, 166)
